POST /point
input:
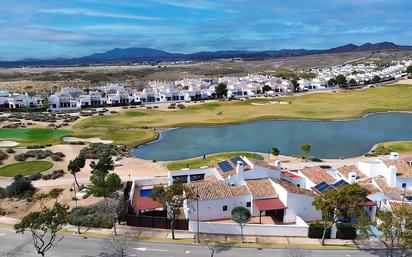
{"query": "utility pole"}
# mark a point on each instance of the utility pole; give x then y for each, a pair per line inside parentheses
(197, 217)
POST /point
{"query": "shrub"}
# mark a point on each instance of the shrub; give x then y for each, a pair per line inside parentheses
(181, 106)
(379, 150)
(10, 150)
(21, 186)
(90, 216)
(20, 157)
(3, 155)
(56, 157)
(345, 231)
(35, 146)
(315, 159)
(34, 176)
(3, 193)
(316, 231)
(325, 166)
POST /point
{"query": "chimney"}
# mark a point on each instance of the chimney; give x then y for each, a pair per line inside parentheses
(352, 177)
(394, 156)
(391, 178)
(239, 173)
(278, 164)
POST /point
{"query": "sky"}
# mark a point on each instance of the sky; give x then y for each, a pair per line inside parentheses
(71, 28)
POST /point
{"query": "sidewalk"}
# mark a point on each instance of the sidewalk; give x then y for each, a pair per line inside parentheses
(162, 235)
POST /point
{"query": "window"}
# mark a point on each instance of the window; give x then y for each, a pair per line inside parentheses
(403, 185)
(298, 185)
(224, 207)
(248, 204)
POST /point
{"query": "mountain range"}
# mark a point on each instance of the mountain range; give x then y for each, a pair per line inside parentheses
(138, 55)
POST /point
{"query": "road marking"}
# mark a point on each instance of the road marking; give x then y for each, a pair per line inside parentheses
(187, 251)
(2, 234)
(143, 249)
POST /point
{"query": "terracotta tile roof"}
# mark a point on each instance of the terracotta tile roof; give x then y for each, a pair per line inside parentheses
(381, 182)
(293, 188)
(210, 190)
(261, 188)
(263, 164)
(345, 170)
(404, 170)
(367, 184)
(317, 175)
(398, 205)
(239, 190)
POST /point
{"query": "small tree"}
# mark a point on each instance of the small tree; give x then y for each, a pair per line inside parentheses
(335, 203)
(21, 186)
(394, 230)
(266, 88)
(341, 81)
(119, 245)
(409, 69)
(275, 152)
(376, 79)
(241, 216)
(221, 90)
(305, 149)
(352, 83)
(332, 82)
(75, 166)
(295, 85)
(105, 184)
(45, 223)
(172, 198)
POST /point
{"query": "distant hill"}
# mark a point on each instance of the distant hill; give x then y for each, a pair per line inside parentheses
(133, 55)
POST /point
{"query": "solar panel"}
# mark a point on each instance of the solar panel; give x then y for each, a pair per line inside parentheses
(225, 166)
(322, 187)
(236, 159)
(340, 183)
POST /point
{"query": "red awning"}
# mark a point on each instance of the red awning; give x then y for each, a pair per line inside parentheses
(269, 204)
(147, 204)
(369, 203)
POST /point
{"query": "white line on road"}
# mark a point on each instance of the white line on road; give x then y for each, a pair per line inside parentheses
(143, 249)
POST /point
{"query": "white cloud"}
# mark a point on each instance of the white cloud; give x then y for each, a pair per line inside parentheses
(134, 28)
(189, 4)
(86, 12)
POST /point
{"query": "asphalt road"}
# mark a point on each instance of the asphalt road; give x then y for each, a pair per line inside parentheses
(17, 245)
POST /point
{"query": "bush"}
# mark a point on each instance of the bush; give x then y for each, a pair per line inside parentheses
(379, 150)
(316, 231)
(10, 150)
(21, 186)
(96, 150)
(35, 176)
(345, 231)
(3, 155)
(3, 193)
(20, 157)
(35, 146)
(91, 216)
(181, 106)
(315, 159)
(56, 157)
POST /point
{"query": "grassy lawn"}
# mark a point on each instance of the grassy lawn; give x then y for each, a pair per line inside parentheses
(319, 106)
(29, 136)
(25, 168)
(130, 137)
(399, 146)
(210, 160)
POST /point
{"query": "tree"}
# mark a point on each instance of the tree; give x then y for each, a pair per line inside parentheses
(119, 245)
(394, 229)
(409, 69)
(221, 90)
(21, 186)
(45, 224)
(305, 149)
(295, 85)
(333, 204)
(352, 83)
(75, 166)
(275, 151)
(332, 82)
(241, 216)
(105, 184)
(341, 81)
(266, 88)
(172, 198)
(376, 79)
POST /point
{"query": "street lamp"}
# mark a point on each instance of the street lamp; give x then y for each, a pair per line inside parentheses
(197, 217)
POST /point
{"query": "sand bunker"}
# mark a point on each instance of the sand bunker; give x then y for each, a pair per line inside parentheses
(271, 102)
(7, 143)
(89, 140)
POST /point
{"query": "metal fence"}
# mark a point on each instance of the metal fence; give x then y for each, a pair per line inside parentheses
(155, 222)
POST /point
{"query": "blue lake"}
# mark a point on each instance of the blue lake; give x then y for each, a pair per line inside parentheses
(329, 139)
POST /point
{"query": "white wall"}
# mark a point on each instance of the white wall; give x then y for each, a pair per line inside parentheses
(408, 182)
(297, 205)
(213, 209)
(300, 229)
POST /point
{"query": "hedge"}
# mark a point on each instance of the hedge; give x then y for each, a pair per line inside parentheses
(316, 231)
(345, 231)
